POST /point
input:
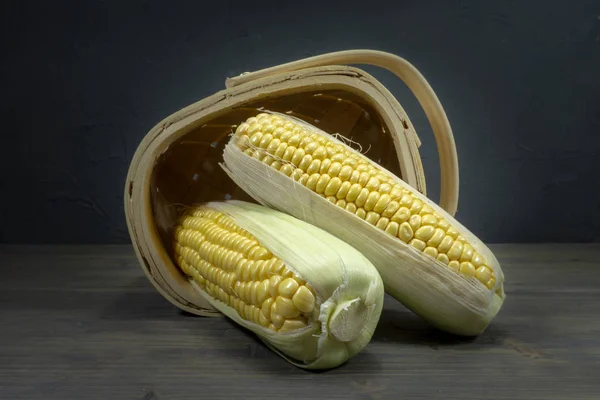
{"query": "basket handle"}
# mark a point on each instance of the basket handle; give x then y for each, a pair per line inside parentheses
(415, 82)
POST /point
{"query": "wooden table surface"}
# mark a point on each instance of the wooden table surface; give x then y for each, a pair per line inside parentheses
(82, 322)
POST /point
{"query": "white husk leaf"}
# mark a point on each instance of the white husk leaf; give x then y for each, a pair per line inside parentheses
(333, 269)
(448, 300)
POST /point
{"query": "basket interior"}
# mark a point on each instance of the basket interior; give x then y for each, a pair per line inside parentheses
(188, 171)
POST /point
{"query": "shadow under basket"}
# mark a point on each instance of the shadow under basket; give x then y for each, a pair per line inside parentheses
(177, 163)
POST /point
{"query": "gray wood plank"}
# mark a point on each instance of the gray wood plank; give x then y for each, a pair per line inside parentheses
(83, 322)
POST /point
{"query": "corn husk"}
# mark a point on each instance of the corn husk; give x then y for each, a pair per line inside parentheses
(448, 300)
(349, 291)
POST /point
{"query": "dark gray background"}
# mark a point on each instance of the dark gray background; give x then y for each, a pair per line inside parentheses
(82, 83)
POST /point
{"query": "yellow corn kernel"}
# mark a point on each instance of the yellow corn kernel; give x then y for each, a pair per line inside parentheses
(443, 258)
(483, 274)
(429, 219)
(311, 183)
(325, 164)
(333, 186)
(353, 192)
(424, 233)
(305, 162)
(286, 307)
(342, 192)
(298, 156)
(392, 228)
(382, 223)
(288, 287)
(292, 325)
(416, 206)
(443, 224)
(234, 268)
(382, 203)
(454, 265)
(345, 173)
(334, 169)
(418, 244)
(405, 233)
(372, 217)
(455, 250)
(371, 201)
(466, 268)
(401, 215)
(431, 251)
(415, 221)
(314, 167)
(477, 259)
(339, 203)
(385, 188)
(322, 183)
(274, 285)
(351, 207)
(436, 238)
(361, 213)
(304, 299)
(467, 252)
(362, 197)
(445, 244)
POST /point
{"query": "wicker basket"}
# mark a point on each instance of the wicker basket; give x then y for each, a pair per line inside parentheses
(177, 163)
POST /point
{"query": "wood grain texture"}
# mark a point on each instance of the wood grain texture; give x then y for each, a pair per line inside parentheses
(84, 323)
